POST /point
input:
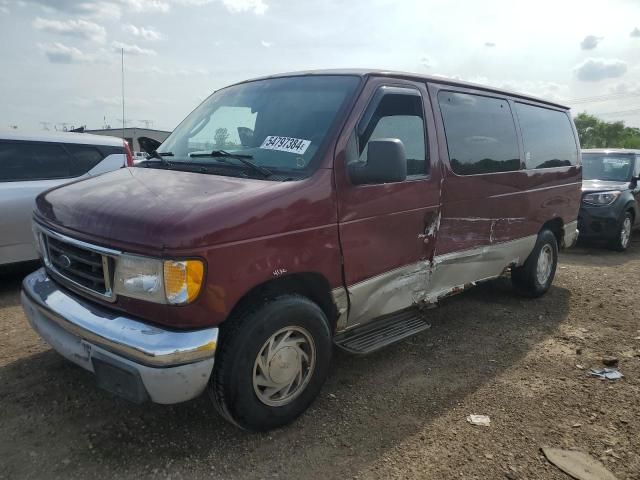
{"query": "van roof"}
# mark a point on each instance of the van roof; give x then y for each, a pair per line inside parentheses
(611, 150)
(363, 72)
(60, 137)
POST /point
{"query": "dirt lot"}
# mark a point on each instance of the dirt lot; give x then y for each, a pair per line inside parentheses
(399, 413)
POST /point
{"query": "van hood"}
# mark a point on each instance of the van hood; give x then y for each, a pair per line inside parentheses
(603, 185)
(157, 209)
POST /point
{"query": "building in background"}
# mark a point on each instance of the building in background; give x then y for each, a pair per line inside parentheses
(139, 139)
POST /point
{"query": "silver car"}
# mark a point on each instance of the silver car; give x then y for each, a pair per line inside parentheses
(31, 163)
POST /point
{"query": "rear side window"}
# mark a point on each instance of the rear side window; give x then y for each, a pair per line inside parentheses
(481, 134)
(399, 116)
(86, 157)
(33, 161)
(547, 136)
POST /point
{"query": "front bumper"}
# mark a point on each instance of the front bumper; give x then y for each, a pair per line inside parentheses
(131, 358)
(599, 222)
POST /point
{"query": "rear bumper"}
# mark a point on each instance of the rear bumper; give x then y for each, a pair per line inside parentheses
(133, 359)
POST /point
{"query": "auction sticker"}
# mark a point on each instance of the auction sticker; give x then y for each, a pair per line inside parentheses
(286, 144)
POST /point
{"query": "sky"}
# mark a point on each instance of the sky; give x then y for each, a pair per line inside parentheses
(61, 60)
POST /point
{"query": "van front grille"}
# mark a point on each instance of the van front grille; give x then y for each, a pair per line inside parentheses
(80, 266)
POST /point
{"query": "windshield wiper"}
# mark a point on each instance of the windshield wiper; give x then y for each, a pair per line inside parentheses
(160, 156)
(237, 156)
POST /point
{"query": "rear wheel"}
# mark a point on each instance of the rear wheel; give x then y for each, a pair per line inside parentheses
(622, 239)
(535, 276)
(271, 363)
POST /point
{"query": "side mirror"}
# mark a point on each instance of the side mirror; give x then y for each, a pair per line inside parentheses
(386, 163)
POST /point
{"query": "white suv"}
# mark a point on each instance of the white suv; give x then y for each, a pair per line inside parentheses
(31, 163)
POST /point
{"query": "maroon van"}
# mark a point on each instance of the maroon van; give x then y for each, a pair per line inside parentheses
(291, 214)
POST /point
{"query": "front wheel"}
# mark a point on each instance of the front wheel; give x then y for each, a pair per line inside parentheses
(272, 361)
(534, 278)
(622, 239)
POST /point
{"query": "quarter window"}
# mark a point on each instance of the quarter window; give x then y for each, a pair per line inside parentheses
(547, 136)
(481, 134)
(86, 157)
(398, 116)
(33, 161)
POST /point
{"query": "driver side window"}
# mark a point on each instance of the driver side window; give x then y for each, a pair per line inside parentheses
(397, 115)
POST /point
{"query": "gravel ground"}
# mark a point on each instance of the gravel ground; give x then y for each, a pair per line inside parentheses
(399, 413)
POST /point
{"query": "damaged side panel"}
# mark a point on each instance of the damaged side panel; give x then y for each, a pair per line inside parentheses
(456, 270)
(427, 281)
(388, 292)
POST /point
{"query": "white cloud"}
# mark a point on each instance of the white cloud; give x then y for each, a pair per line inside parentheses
(132, 49)
(177, 72)
(427, 62)
(60, 53)
(489, 44)
(625, 87)
(116, 9)
(93, 9)
(193, 3)
(239, 6)
(112, 9)
(106, 102)
(144, 6)
(596, 69)
(635, 32)
(147, 33)
(266, 44)
(72, 28)
(546, 90)
(590, 42)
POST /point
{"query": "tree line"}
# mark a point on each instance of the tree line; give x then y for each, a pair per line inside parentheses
(596, 133)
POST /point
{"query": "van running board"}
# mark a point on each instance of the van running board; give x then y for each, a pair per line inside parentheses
(379, 333)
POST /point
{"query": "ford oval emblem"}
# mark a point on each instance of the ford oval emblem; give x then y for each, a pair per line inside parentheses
(64, 261)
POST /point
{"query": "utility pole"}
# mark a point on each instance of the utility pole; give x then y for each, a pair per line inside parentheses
(123, 121)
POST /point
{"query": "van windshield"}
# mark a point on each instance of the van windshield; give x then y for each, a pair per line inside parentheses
(278, 125)
(600, 166)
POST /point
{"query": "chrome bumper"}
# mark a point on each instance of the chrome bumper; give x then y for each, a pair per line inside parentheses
(168, 366)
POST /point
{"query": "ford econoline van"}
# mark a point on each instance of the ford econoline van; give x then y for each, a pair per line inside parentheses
(290, 215)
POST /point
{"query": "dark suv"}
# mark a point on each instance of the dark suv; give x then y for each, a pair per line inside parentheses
(610, 195)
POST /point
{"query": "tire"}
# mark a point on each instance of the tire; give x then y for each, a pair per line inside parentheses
(528, 279)
(622, 239)
(246, 358)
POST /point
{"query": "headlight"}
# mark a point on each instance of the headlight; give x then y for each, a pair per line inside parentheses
(139, 277)
(177, 282)
(601, 198)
